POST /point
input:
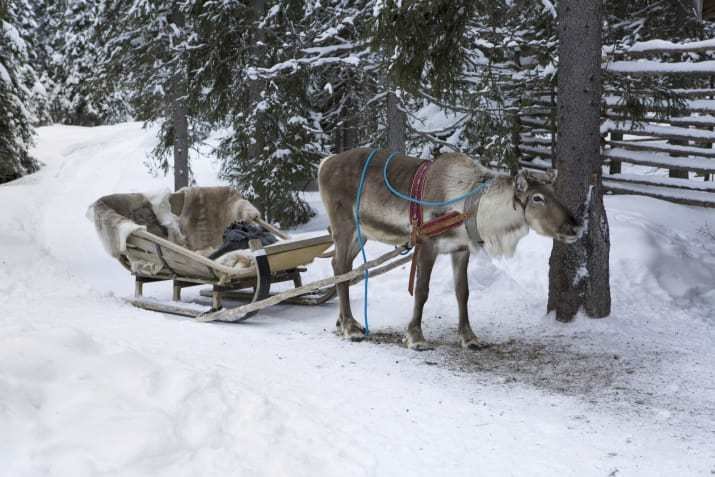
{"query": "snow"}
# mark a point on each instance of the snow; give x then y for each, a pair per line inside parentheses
(549, 7)
(700, 120)
(692, 105)
(655, 67)
(13, 36)
(4, 75)
(658, 46)
(645, 129)
(667, 181)
(664, 147)
(704, 164)
(694, 197)
(90, 385)
(432, 118)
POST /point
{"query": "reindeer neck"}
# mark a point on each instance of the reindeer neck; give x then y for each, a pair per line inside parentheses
(499, 224)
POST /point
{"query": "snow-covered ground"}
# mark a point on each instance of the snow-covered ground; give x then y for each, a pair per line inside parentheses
(92, 386)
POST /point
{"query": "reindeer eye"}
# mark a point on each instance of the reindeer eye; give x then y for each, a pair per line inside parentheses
(538, 198)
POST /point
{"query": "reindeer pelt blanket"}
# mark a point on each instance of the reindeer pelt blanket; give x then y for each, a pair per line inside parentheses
(193, 217)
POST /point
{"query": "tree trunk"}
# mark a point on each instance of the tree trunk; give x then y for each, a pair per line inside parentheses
(347, 130)
(579, 273)
(396, 123)
(181, 123)
(181, 137)
(255, 87)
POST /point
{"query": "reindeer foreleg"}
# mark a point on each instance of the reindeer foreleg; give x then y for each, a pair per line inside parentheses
(460, 261)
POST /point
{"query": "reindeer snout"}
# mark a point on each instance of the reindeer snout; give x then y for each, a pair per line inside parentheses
(570, 231)
(578, 230)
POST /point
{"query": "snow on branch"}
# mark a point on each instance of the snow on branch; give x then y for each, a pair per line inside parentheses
(549, 7)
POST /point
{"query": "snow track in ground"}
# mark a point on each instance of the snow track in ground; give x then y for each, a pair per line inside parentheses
(92, 386)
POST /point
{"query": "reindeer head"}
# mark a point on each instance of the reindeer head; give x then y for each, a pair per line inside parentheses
(542, 210)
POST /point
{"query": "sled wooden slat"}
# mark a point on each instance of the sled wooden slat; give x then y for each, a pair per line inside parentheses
(139, 254)
(185, 253)
(282, 256)
(285, 256)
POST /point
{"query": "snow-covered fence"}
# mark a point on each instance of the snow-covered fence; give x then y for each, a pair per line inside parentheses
(671, 158)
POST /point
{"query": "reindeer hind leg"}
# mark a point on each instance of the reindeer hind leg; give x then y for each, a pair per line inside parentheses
(426, 256)
(460, 262)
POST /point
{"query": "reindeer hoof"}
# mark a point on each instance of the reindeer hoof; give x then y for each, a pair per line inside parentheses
(417, 344)
(420, 346)
(471, 343)
(355, 336)
(350, 329)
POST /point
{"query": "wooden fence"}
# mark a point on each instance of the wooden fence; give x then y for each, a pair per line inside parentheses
(671, 159)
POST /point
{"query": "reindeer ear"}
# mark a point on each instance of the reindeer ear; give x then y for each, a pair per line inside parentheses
(551, 175)
(521, 183)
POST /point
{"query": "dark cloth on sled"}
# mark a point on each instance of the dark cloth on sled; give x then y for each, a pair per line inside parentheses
(238, 234)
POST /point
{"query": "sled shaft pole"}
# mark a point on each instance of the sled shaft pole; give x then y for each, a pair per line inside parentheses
(354, 276)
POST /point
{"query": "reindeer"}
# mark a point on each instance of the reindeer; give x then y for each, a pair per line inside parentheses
(498, 218)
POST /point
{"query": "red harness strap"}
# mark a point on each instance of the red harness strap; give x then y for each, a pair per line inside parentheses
(416, 191)
(432, 228)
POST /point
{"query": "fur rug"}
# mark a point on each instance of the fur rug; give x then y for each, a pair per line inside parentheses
(193, 217)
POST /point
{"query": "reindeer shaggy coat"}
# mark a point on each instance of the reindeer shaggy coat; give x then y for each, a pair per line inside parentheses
(504, 213)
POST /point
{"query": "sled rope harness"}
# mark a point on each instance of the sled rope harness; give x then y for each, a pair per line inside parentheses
(420, 230)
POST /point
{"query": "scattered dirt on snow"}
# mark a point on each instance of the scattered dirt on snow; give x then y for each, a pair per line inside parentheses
(547, 364)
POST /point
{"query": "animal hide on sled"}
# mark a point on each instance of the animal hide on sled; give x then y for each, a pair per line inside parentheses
(194, 218)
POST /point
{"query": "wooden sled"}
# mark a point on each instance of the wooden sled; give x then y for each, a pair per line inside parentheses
(281, 262)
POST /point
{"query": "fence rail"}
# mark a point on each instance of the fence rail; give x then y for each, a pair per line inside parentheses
(682, 146)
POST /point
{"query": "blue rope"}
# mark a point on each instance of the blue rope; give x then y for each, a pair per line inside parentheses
(396, 193)
(361, 242)
(427, 203)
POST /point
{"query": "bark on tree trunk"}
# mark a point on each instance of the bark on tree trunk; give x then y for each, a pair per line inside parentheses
(181, 137)
(579, 273)
(255, 87)
(396, 123)
(347, 131)
(181, 123)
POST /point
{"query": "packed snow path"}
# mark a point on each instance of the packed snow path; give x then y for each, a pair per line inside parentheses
(92, 386)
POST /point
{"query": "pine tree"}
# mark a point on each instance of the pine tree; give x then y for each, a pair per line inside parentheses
(350, 76)
(294, 81)
(276, 139)
(148, 47)
(30, 73)
(15, 118)
(459, 56)
(73, 56)
(630, 21)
